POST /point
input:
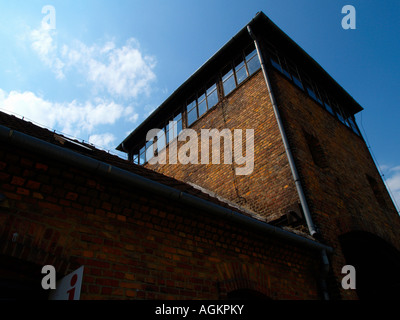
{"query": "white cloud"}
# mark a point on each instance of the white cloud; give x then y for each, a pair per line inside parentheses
(104, 140)
(121, 71)
(392, 175)
(73, 118)
(43, 44)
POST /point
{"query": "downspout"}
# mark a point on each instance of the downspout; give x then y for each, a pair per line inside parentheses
(288, 150)
(307, 215)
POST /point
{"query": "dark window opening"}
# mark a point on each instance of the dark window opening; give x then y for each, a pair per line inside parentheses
(316, 150)
(377, 265)
(20, 280)
(377, 192)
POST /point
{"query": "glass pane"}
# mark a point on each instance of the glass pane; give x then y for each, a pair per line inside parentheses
(202, 105)
(142, 150)
(170, 133)
(353, 125)
(178, 120)
(178, 117)
(276, 64)
(339, 113)
(179, 126)
(191, 105)
(142, 157)
(192, 116)
(161, 140)
(329, 108)
(211, 89)
(251, 55)
(136, 159)
(173, 128)
(313, 95)
(340, 117)
(212, 98)
(253, 64)
(149, 153)
(285, 70)
(297, 82)
(286, 73)
(241, 73)
(229, 82)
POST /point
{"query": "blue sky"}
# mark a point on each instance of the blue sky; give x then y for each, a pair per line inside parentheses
(108, 64)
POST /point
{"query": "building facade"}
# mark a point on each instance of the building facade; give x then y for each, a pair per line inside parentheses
(312, 168)
(311, 203)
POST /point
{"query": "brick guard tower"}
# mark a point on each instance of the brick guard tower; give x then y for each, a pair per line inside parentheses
(312, 169)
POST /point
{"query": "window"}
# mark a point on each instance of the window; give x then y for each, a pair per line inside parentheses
(212, 96)
(377, 192)
(192, 112)
(142, 155)
(241, 72)
(275, 63)
(243, 68)
(149, 150)
(197, 107)
(317, 153)
(202, 104)
(290, 70)
(228, 82)
(352, 123)
(174, 127)
(327, 104)
(161, 141)
(339, 113)
(178, 120)
(312, 91)
(285, 68)
(295, 75)
(253, 61)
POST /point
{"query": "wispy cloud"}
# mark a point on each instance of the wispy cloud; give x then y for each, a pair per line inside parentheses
(73, 118)
(106, 140)
(114, 76)
(123, 72)
(392, 174)
(46, 48)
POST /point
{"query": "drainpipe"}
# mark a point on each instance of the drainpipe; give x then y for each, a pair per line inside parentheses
(288, 150)
(310, 224)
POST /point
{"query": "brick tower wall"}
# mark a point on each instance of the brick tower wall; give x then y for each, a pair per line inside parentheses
(338, 189)
(269, 190)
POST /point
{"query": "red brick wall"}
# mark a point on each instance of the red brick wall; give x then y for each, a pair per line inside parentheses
(135, 245)
(339, 195)
(269, 189)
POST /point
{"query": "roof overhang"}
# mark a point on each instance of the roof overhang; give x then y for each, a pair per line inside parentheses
(264, 28)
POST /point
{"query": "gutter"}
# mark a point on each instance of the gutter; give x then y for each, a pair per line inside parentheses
(99, 168)
(296, 177)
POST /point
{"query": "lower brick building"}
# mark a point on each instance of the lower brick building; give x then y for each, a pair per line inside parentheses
(138, 234)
